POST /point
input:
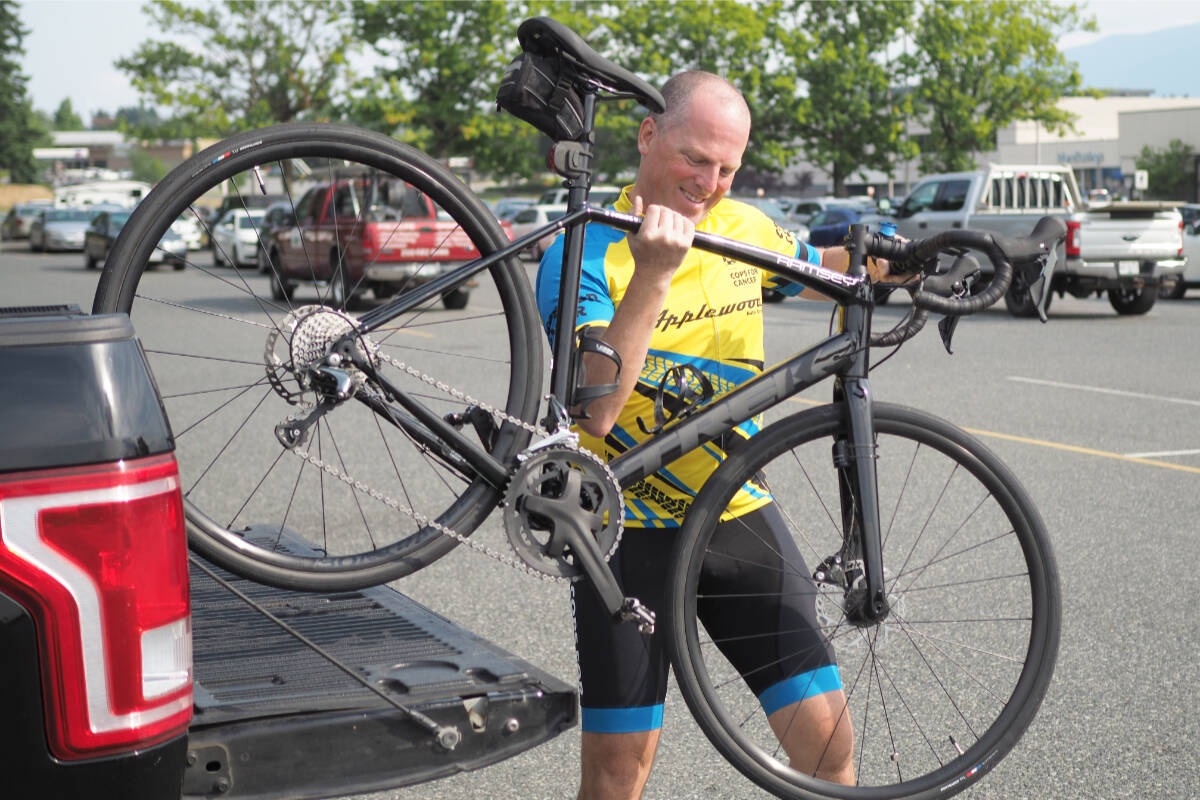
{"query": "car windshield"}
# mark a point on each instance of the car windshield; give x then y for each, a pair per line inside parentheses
(250, 221)
(67, 215)
(553, 215)
(117, 221)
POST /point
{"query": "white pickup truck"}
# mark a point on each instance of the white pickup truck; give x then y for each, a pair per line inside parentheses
(1126, 249)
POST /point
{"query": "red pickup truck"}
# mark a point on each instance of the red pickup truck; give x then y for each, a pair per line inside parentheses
(360, 233)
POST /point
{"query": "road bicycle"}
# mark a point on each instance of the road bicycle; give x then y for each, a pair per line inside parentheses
(383, 439)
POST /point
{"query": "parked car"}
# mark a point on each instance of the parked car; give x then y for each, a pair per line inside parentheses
(106, 226)
(530, 219)
(828, 227)
(190, 230)
(277, 216)
(507, 207)
(59, 229)
(235, 238)
(1190, 213)
(19, 219)
(1190, 277)
(598, 196)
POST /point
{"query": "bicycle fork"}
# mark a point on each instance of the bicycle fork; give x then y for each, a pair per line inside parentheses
(854, 458)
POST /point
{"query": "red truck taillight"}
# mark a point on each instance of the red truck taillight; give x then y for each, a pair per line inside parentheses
(98, 556)
(1073, 239)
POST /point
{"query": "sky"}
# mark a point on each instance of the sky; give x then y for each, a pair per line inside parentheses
(72, 44)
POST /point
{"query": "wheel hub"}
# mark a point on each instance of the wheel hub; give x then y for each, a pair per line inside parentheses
(302, 343)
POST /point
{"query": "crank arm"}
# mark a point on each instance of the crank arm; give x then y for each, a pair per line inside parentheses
(572, 528)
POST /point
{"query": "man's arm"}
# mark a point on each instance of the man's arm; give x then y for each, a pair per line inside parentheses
(658, 249)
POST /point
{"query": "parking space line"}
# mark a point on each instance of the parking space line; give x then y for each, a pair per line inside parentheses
(1133, 459)
(1145, 459)
(1165, 454)
(1101, 390)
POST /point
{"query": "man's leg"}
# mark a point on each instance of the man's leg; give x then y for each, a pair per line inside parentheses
(817, 736)
(615, 766)
(771, 635)
(622, 673)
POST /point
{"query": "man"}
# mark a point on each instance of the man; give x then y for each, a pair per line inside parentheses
(662, 306)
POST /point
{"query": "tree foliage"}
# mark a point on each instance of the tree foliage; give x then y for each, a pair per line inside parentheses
(1171, 171)
(843, 106)
(985, 63)
(435, 87)
(65, 117)
(243, 64)
(20, 128)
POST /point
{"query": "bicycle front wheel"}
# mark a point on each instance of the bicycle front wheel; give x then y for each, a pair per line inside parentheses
(357, 220)
(939, 691)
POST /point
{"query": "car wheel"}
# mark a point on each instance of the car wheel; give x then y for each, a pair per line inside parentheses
(89, 261)
(178, 263)
(456, 300)
(1132, 301)
(1174, 291)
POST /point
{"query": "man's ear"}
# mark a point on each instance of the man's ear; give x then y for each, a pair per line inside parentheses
(646, 134)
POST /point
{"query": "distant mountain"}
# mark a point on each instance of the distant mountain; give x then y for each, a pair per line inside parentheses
(1165, 61)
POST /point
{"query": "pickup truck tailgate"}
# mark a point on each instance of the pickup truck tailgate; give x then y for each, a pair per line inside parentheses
(1138, 231)
(276, 718)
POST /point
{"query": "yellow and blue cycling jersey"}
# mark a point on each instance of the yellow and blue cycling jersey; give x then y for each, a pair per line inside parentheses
(711, 323)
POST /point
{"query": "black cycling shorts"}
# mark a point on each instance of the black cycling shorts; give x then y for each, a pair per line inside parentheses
(623, 673)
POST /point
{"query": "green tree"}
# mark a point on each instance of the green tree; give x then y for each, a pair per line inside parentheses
(65, 118)
(146, 167)
(1171, 171)
(656, 39)
(839, 93)
(436, 85)
(986, 63)
(20, 128)
(245, 64)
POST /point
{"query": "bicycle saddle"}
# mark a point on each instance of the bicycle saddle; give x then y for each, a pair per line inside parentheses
(544, 36)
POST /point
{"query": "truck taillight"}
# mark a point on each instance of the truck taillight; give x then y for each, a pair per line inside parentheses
(1180, 253)
(98, 556)
(1073, 237)
(368, 241)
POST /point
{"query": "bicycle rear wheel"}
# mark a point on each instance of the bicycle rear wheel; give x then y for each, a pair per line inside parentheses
(227, 345)
(942, 689)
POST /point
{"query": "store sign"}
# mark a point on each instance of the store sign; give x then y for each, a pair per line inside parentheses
(1080, 157)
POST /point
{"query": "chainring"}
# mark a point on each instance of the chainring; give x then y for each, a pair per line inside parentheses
(544, 474)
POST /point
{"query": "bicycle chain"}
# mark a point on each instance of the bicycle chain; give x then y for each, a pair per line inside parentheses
(423, 520)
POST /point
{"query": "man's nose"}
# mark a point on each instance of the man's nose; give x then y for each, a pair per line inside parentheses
(708, 179)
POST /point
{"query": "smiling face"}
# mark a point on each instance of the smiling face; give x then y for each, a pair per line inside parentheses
(689, 157)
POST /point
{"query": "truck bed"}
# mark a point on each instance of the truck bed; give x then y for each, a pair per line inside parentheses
(276, 718)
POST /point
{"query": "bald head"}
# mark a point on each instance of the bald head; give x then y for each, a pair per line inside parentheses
(681, 90)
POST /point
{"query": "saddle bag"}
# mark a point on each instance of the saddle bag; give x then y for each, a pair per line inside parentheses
(539, 90)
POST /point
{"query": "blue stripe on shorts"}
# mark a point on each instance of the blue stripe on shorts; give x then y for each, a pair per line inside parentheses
(622, 720)
(799, 687)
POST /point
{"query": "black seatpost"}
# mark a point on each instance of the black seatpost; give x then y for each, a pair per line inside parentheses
(562, 381)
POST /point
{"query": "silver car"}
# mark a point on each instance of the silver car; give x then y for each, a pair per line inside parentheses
(59, 229)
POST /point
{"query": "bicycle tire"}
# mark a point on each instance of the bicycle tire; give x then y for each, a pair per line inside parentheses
(207, 343)
(946, 685)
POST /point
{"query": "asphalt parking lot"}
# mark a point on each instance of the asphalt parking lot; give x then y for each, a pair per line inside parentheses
(1099, 416)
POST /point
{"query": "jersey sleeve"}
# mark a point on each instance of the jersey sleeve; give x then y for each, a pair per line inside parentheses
(596, 305)
(804, 251)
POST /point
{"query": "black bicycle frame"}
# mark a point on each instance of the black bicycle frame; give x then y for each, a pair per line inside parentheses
(843, 355)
